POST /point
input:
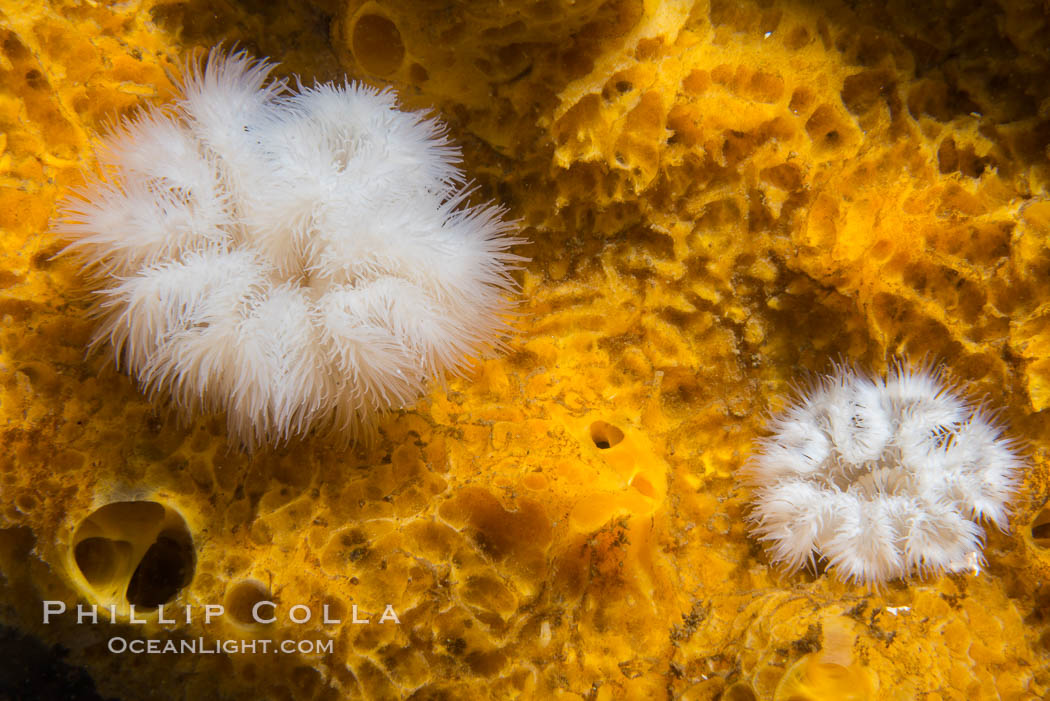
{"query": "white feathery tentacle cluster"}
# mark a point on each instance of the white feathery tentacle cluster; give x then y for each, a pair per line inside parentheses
(295, 259)
(882, 477)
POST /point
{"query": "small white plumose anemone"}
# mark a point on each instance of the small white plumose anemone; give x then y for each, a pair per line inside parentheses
(295, 259)
(882, 477)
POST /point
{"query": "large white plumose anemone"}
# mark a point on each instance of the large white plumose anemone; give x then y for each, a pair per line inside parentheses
(294, 259)
(883, 478)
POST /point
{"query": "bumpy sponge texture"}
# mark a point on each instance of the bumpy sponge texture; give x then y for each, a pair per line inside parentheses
(291, 259)
(713, 210)
(883, 478)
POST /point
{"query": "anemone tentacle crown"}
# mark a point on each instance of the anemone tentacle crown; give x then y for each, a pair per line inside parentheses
(295, 259)
(883, 477)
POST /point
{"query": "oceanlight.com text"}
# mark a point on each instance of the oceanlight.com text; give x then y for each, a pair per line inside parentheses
(200, 646)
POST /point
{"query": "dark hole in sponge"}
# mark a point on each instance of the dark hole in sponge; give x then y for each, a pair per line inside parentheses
(1041, 532)
(377, 44)
(1041, 527)
(741, 691)
(605, 435)
(242, 598)
(96, 558)
(166, 568)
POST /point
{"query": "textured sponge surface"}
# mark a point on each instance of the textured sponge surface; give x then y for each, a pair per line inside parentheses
(821, 192)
